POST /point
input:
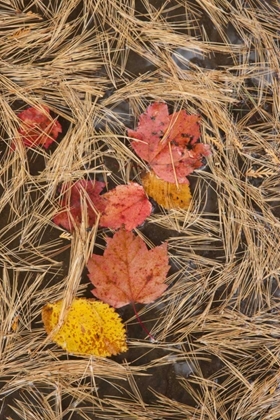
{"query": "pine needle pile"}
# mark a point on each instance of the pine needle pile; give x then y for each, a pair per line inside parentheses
(97, 65)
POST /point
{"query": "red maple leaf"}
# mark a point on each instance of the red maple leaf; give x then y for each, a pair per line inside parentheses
(125, 206)
(38, 128)
(169, 143)
(128, 272)
(71, 197)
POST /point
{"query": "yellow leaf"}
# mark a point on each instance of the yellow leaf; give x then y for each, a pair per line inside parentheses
(90, 328)
(168, 195)
(15, 323)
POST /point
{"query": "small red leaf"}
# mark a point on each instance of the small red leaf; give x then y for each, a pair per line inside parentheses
(128, 272)
(38, 128)
(125, 206)
(71, 199)
(169, 142)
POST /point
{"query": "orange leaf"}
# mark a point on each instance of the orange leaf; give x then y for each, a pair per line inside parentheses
(169, 142)
(128, 272)
(38, 128)
(125, 206)
(71, 196)
(168, 195)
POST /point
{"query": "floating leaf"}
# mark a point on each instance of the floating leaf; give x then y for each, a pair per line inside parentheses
(71, 197)
(90, 328)
(125, 206)
(168, 195)
(169, 142)
(38, 128)
(128, 272)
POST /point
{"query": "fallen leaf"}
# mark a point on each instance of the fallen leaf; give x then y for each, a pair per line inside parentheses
(169, 142)
(90, 328)
(128, 272)
(38, 128)
(168, 195)
(125, 206)
(71, 197)
(15, 323)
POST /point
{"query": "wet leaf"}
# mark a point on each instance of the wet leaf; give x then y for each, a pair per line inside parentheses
(38, 128)
(89, 328)
(168, 195)
(72, 198)
(125, 206)
(128, 272)
(169, 143)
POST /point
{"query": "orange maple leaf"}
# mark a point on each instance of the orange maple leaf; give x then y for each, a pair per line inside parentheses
(71, 197)
(38, 128)
(128, 272)
(125, 206)
(169, 143)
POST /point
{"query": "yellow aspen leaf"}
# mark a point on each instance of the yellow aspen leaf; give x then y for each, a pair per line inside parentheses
(167, 194)
(89, 328)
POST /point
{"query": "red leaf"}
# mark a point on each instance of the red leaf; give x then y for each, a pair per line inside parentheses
(128, 272)
(38, 128)
(169, 142)
(125, 206)
(71, 199)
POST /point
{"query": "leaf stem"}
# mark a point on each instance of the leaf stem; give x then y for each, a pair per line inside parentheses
(141, 323)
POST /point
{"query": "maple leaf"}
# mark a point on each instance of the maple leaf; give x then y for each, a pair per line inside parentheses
(71, 197)
(38, 128)
(125, 206)
(128, 272)
(90, 327)
(169, 142)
